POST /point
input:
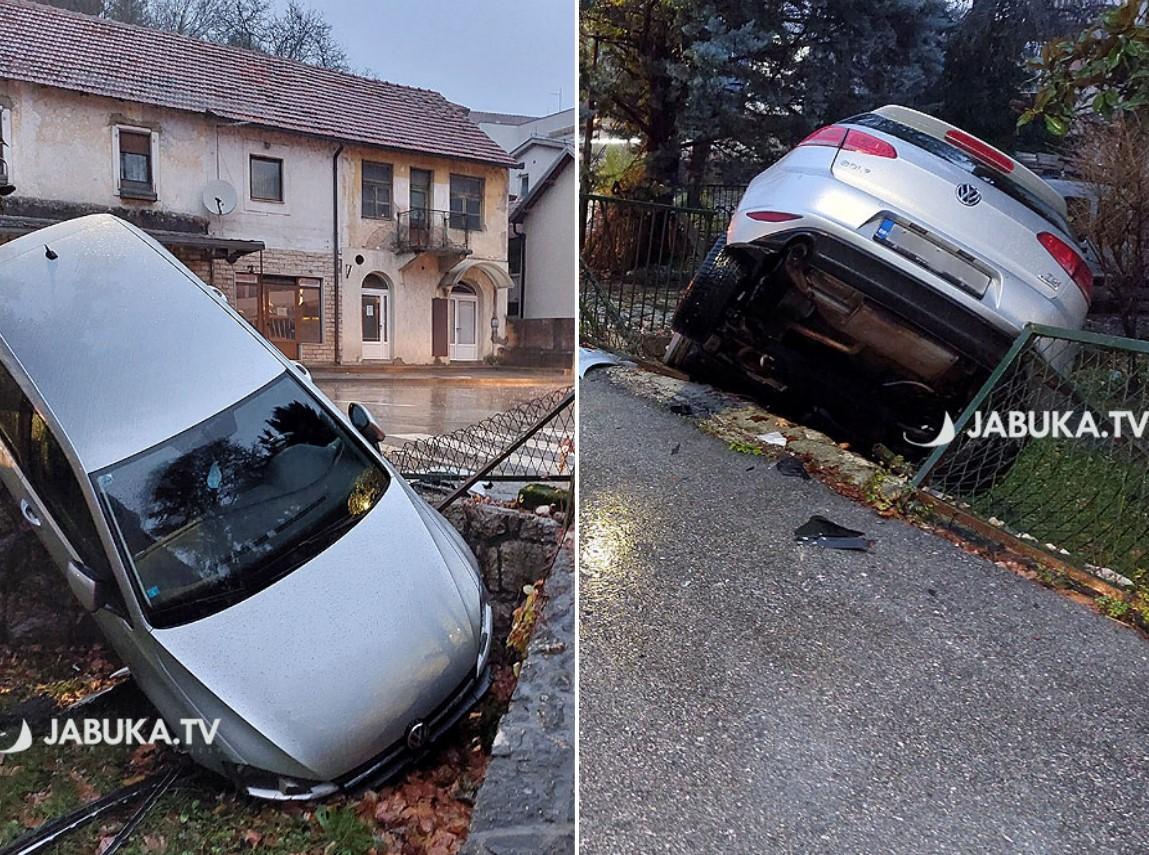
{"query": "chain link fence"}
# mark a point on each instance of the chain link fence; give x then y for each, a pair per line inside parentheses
(637, 258)
(533, 441)
(1054, 450)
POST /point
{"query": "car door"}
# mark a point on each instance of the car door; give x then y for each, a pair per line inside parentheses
(44, 484)
(15, 444)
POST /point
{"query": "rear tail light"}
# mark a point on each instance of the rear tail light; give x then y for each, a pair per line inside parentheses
(1071, 262)
(984, 152)
(831, 135)
(867, 144)
(771, 216)
(850, 139)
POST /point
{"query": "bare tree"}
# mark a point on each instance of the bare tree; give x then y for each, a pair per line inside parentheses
(1112, 158)
(199, 19)
(243, 23)
(88, 7)
(298, 32)
(128, 11)
(303, 34)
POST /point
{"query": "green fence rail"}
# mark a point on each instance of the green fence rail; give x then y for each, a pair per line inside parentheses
(637, 258)
(1054, 449)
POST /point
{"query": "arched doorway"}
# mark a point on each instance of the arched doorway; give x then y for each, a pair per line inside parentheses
(376, 317)
(463, 323)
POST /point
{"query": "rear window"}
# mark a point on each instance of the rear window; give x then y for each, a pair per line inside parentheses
(964, 161)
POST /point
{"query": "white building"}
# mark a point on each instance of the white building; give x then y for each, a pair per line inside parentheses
(544, 201)
(348, 219)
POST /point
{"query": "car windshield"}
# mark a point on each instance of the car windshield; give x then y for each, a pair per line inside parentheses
(953, 154)
(230, 506)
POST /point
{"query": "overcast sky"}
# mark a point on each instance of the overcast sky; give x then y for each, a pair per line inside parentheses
(497, 55)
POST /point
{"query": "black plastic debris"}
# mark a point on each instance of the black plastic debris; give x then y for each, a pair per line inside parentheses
(677, 447)
(820, 531)
(794, 467)
(682, 409)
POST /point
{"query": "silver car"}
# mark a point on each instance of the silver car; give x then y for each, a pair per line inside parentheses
(880, 270)
(242, 545)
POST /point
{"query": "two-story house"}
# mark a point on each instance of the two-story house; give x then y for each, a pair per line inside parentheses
(541, 252)
(348, 219)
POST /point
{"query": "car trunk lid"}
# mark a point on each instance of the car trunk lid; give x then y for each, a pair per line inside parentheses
(960, 199)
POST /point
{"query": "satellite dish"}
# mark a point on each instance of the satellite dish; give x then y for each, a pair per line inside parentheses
(219, 197)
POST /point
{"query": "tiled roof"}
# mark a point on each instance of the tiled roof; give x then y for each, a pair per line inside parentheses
(66, 50)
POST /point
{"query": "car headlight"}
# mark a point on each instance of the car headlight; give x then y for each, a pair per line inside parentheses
(485, 637)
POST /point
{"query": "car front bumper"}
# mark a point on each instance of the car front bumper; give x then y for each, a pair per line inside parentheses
(392, 760)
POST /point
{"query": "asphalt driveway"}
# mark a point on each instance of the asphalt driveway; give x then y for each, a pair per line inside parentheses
(743, 693)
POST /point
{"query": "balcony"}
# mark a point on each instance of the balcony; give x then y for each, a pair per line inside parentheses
(425, 230)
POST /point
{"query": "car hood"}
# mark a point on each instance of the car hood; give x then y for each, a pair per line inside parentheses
(333, 662)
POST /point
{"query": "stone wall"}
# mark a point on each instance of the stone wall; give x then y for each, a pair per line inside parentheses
(514, 549)
(539, 341)
(526, 804)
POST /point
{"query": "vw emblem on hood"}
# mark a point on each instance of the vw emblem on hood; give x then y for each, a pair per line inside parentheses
(968, 194)
(417, 735)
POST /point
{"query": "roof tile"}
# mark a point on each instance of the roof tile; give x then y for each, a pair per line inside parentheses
(67, 50)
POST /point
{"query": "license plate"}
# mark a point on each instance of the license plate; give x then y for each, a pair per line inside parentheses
(944, 261)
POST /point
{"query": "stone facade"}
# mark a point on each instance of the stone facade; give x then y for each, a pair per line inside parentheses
(514, 549)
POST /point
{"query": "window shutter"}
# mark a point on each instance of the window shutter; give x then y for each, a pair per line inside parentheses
(438, 327)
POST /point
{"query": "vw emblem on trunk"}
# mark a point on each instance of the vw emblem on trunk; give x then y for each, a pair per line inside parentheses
(417, 735)
(968, 194)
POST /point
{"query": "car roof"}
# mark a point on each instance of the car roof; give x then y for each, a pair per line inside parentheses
(937, 128)
(126, 346)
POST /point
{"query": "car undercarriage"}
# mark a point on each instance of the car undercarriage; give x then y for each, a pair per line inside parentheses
(858, 347)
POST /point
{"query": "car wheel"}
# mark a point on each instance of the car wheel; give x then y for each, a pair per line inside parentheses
(681, 353)
(702, 307)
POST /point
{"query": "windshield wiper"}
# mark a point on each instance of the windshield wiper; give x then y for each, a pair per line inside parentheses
(328, 532)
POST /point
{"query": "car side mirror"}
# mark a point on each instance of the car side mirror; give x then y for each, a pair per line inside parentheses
(87, 589)
(302, 369)
(365, 423)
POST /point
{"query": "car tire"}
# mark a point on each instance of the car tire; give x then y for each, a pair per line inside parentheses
(703, 305)
(681, 353)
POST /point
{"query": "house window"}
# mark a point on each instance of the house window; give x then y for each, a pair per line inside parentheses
(136, 163)
(247, 297)
(466, 203)
(524, 184)
(376, 190)
(266, 179)
(516, 256)
(310, 311)
(285, 309)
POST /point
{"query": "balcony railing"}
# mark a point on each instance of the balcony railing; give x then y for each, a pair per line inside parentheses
(437, 232)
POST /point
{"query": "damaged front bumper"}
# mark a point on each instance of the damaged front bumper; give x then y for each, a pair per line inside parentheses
(386, 765)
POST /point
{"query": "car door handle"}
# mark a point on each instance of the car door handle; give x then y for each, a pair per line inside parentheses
(30, 514)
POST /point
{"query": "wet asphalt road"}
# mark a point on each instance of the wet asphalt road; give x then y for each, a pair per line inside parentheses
(409, 409)
(742, 693)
